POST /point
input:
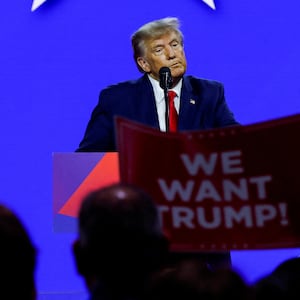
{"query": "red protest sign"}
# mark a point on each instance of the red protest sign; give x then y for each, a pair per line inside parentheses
(229, 188)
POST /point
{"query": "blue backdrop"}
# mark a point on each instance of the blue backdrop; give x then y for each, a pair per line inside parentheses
(54, 61)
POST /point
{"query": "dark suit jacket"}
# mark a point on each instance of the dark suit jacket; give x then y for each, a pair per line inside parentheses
(202, 106)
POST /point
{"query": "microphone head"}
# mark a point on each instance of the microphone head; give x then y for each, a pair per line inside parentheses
(164, 70)
(165, 78)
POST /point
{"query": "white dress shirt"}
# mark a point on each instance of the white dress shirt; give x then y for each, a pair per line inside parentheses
(160, 100)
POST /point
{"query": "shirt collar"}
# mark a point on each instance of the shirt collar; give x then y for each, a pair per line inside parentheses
(159, 92)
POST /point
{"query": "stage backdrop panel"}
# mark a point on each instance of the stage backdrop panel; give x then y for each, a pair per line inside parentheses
(55, 60)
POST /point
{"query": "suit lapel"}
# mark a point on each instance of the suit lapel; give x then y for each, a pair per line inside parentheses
(189, 106)
(147, 106)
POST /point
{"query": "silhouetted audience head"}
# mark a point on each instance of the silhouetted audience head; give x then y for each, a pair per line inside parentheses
(182, 281)
(228, 284)
(191, 280)
(120, 242)
(17, 258)
(282, 283)
(269, 287)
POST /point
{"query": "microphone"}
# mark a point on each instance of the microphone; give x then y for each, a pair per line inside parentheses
(165, 82)
(165, 78)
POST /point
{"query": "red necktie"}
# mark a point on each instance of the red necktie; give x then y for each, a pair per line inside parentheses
(173, 116)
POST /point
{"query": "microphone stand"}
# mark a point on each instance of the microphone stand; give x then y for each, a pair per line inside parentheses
(165, 82)
(167, 107)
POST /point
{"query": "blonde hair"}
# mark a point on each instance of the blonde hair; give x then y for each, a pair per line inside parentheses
(152, 30)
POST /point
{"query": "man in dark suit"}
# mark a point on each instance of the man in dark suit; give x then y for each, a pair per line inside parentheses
(200, 103)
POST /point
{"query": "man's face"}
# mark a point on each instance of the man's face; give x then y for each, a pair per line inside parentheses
(165, 51)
